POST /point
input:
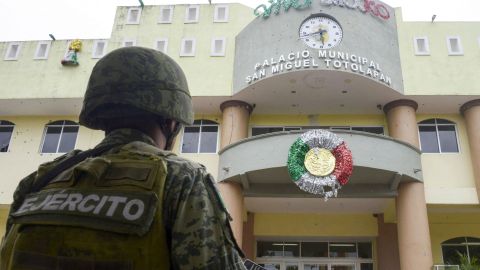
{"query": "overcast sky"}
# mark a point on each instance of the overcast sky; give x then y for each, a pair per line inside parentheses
(86, 19)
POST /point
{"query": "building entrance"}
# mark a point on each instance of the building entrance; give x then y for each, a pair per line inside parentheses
(321, 255)
(312, 265)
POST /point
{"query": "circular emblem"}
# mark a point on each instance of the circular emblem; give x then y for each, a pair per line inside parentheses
(319, 161)
(321, 31)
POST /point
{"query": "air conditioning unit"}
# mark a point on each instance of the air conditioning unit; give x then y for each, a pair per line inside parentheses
(445, 267)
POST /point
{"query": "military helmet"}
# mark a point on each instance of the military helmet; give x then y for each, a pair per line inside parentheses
(136, 81)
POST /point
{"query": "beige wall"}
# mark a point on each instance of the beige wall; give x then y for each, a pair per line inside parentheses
(463, 221)
(23, 156)
(439, 73)
(207, 75)
(328, 225)
(449, 177)
(27, 78)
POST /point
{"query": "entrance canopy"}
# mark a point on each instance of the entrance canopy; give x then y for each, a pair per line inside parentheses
(380, 165)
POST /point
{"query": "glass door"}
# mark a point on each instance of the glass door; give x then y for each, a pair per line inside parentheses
(315, 266)
(312, 265)
(270, 266)
(342, 266)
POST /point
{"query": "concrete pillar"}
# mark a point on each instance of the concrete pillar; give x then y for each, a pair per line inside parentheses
(471, 113)
(235, 118)
(387, 245)
(412, 220)
(249, 237)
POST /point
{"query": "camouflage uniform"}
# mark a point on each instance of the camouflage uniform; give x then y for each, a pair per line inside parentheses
(184, 223)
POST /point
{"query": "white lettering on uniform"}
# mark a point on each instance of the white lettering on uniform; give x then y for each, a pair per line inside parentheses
(36, 207)
(71, 201)
(100, 205)
(140, 209)
(27, 204)
(55, 202)
(115, 201)
(82, 207)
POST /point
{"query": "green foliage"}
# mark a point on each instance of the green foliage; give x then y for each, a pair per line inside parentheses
(465, 264)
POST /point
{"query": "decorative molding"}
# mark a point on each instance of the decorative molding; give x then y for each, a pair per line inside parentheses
(400, 102)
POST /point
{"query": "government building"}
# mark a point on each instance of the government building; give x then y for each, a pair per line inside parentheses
(401, 100)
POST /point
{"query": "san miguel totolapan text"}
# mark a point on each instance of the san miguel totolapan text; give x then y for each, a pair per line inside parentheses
(329, 59)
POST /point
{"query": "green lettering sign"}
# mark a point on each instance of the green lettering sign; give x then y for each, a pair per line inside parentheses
(277, 5)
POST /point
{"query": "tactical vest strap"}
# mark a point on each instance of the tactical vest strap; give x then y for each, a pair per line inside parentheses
(67, 163)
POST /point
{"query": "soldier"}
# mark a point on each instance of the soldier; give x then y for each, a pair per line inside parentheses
(128, 203)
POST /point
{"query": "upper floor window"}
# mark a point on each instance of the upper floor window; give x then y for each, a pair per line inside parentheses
(191, 14)
(265, 130)
(129, 43)
(13, 50)
(133, 15)
(161, 45)
(221, 13)
(218, 47)
(6, 130)
(438, 136)
(454, 46)
(201, 137)
(99, 48)
(166, 14)
(43, 47)
(59, 137)
(466, 247)
(421, 46)
(188, 47)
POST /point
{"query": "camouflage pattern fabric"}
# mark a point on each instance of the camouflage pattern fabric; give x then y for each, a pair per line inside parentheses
(136, 81)
(196, 223)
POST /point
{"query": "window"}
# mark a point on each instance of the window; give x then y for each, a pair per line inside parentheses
(373, 130)
(13, 50)
(221, 13)
(421, 46)
(188, 47)
(129, 43)
(59, 137)
(133, 15)
(166, 14)
(191, 14)
(438, 136)
(218, 47)
(6, 130)
(42, 50)
(467, 246)
(99, 47)
(264, 130)
(201, 137)
(161, 45)
(454, 46)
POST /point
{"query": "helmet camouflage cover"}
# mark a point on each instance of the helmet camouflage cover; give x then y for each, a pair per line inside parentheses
(136, 81)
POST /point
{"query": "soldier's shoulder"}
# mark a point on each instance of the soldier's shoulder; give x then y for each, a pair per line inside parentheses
(50, 164)
(172, 160)
(177, 163)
